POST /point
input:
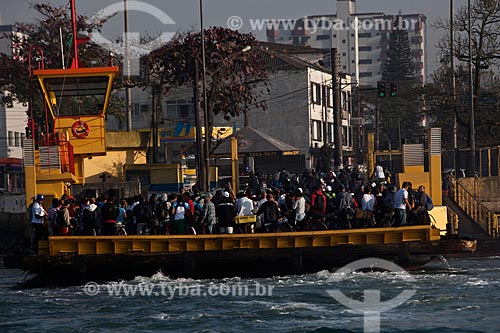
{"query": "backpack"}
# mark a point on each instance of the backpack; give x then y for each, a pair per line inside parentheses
(90, 218)
(144, 212)
(113, 211)
(428, 204)
(330, 204)
(188, 215)
(319, 202)
(59, 220)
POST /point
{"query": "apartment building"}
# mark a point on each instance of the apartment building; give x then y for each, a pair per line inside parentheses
(361, 38)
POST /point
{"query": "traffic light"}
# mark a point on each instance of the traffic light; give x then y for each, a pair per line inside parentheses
(381, 89)
(394, 88)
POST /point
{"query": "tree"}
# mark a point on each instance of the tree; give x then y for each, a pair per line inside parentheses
(441, 108)
(232, 76)
(399, 64)
(485, 17)
(400, 114)
(44, 34)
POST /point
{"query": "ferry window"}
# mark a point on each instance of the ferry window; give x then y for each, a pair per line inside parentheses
(74, 96)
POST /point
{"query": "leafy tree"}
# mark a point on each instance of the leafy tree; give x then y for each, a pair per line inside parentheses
(44, 34)
(485, 35)
(440, 107)
(232, 76)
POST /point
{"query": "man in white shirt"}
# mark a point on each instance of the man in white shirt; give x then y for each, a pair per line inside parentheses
(400, 204)
(244, 205)
(39, 214)
(299, 205)
(379, 173)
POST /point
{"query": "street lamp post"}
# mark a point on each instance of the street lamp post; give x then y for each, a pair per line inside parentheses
(472, 131)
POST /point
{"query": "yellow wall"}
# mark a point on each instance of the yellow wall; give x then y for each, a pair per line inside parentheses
(112, 164)
(415, 178)
(94, 143)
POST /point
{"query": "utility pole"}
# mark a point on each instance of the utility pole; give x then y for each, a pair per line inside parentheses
(199, 139)
(472, 131)
(324, 101)
(377, 125)
(454, 88)
(154, 121)
(205, 186)
(128, 93)
(337, 111)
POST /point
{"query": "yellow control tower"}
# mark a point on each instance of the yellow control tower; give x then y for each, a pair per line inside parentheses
(77, 99)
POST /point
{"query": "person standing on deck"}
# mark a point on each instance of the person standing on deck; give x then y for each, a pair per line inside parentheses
(401, 203)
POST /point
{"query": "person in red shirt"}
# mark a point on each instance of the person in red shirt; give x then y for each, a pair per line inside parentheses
(318, 203)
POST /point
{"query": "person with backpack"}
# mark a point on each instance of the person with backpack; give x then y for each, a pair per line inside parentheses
(179, 212)
(143, 215)
(345, 205)
(52, 213)
(110, 212)
(63, 219)
(318, 204)
(422, 205)
(270, 212)
(225, 212)
(91, 218)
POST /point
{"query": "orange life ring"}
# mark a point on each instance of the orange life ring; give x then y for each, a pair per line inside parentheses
(80, 129)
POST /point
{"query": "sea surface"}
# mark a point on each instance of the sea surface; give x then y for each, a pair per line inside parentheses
(461, 295)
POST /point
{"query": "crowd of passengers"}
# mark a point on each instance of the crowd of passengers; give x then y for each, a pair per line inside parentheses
(311, 201)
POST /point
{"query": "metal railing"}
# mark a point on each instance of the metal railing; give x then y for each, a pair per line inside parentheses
(479, 213)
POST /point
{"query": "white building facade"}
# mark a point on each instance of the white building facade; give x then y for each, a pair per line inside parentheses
(300, 102)
(13, 118)
(361, 38)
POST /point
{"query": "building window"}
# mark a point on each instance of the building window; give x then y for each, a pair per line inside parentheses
(366, 74)
(11, 139)
(184, 111)
(343, 41)
(329, 92)
(365, 61)
(179, 109)
(345, 136)
(323, 37)
(365, 48)
(136, 109)
(330, 132)
(365, 35)
(316, 93)
(344, 54)
(316, 130)
(17, 139)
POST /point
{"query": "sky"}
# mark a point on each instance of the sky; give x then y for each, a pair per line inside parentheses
(186, 16)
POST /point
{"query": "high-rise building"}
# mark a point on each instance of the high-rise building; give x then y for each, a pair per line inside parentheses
(361, 38)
